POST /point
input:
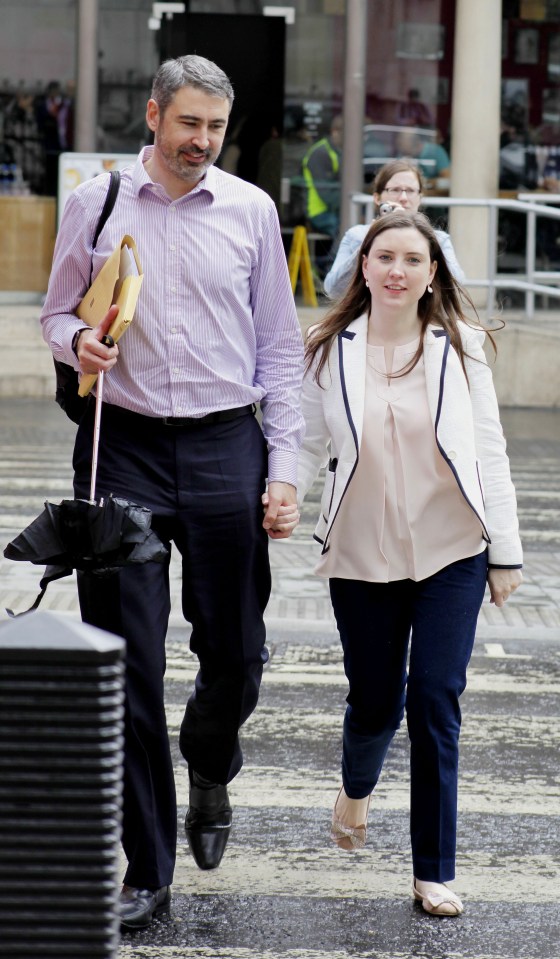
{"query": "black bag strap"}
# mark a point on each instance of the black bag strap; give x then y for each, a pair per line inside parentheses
(114, 184)
(66, 376)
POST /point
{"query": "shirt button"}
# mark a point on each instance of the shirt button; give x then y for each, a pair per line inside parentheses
(172, 246)
(176, 370)
(173, 329)
(451, 454)
(173, 289)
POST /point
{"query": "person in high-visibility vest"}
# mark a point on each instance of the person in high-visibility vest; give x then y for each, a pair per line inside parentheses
(321, 173)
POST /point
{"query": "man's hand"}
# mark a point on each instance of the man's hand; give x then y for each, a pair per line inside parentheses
(93, 355)
(281, 512)
(502, 583)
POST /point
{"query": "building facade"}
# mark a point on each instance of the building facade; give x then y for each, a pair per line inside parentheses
(287, 64)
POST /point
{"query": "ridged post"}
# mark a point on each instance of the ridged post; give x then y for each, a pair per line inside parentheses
(61, 757)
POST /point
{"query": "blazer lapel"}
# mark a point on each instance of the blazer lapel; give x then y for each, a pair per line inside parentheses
(436, 349)
(352, 344)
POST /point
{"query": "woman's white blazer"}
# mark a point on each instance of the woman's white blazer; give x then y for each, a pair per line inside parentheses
(466, 427)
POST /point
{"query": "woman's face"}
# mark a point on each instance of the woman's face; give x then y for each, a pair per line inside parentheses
(398, 267)
(403, 189)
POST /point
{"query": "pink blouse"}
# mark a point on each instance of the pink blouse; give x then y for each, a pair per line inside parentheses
(403, 515)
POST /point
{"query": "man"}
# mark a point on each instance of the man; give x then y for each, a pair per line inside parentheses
(53, 115)
(321, 173)
(215, 332)
(432, 158)
(413, 113)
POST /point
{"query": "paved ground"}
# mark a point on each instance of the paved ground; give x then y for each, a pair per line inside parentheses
(282, 892)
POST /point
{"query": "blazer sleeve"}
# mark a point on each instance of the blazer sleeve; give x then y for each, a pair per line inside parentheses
(341, 271)
(500, 502)
(314, 452)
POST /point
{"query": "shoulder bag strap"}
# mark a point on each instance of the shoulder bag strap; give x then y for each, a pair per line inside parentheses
(114, 184)
(112, 192)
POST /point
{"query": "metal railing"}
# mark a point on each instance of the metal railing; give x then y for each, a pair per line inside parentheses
(532, 282)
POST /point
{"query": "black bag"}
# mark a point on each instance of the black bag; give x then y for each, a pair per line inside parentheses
(67, 381)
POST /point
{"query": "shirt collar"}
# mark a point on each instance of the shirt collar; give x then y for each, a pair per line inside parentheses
(141, 179)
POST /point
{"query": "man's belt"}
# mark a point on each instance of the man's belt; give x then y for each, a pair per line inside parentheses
(219, 416)
(116, 413)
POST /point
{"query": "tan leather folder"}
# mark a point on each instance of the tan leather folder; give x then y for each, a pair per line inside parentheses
(118, 281)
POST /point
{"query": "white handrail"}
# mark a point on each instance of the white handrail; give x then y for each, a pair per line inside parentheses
(527, 204)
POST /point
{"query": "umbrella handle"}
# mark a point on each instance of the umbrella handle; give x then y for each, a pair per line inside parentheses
(108, 341)
(96, 431)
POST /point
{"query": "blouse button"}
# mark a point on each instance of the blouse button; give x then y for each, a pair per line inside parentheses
(451, 454)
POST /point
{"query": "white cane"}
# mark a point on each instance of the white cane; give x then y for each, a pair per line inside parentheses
(107, 341)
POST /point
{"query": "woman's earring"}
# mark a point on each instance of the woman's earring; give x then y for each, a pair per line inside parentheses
(429, 289)
(367, 284)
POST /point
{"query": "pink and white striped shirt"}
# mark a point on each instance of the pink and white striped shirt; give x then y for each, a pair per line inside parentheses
(215, 326)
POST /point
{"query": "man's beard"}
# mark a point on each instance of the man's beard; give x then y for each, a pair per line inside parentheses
(178, 162)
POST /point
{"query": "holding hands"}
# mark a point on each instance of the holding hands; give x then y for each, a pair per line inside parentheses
(280, 509)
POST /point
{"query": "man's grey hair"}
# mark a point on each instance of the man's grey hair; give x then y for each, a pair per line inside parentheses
(190, 71)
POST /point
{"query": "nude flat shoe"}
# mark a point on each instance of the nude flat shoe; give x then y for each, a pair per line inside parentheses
(348, 837)
(439, 901)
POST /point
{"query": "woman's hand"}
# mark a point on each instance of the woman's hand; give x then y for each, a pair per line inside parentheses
(502, 583)
(280, 520)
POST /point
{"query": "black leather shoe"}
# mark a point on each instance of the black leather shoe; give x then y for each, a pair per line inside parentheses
(208, 821)
(137, 907)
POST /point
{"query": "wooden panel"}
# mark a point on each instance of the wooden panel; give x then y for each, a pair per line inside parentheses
(27, 235)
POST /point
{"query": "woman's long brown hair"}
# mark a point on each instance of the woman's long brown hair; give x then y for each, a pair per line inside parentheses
(444, 307)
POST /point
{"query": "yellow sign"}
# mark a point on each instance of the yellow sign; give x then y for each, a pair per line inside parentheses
(300, 261)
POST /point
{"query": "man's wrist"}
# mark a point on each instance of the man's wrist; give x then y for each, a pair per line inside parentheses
(76, 340)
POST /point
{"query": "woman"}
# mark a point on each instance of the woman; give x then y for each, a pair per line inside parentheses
(399, 183)
(399, 403)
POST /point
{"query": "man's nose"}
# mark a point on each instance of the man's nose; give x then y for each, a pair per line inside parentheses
(201, 139)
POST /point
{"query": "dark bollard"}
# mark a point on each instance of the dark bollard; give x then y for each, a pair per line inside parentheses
(61, 755)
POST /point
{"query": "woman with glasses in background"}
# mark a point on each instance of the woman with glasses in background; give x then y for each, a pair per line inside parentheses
(400, 184)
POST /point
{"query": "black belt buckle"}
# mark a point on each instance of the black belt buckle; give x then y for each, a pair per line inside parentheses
(177, 420)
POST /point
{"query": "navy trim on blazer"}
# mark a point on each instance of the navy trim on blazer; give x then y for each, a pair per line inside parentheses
(498, 566)
(485, 533)
(348, 336)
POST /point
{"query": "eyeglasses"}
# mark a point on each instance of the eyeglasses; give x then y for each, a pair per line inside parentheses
(397, 190)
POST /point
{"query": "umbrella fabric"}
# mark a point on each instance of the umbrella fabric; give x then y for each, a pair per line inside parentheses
(77, 534)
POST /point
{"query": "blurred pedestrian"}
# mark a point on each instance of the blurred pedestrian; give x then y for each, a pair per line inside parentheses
(418, 514)
(431, 156)
(412, 112)
(215, 332)
(53, 114)
(321, 172)
(398, 184)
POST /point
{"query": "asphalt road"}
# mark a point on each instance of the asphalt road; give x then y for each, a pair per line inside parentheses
(282, 891)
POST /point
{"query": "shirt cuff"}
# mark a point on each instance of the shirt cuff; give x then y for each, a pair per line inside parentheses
(282, 467)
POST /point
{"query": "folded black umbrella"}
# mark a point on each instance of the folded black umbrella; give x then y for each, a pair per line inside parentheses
(86, 535)
(77, 534)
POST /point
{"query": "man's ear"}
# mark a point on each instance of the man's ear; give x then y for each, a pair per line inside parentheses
(152, 115)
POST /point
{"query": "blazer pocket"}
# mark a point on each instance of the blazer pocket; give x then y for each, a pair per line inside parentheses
(328, 489)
